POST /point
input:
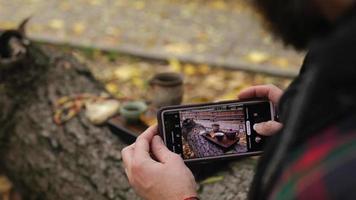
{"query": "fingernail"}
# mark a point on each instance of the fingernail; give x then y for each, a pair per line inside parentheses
(257, 127)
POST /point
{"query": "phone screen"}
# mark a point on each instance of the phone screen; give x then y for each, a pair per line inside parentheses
(213, 131)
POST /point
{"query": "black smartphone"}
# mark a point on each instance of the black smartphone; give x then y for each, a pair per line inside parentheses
(214, 131)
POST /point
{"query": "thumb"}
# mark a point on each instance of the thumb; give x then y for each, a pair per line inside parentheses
(159, 150)
(267, 128)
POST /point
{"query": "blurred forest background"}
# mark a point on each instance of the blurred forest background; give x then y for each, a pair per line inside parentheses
(220, 46)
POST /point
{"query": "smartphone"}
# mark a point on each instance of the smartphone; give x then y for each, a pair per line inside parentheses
(214, 131)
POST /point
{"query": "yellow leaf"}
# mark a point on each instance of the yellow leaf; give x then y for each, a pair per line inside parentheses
(257, 57)
(178, 48)
(78, 28)
(212, 179)
(189, 69)
(218, 4)
(56, 24)
(112, 88)
(230, 95)
(204, 69)
(281, 62)
(126, 72)
(8, 25)
(62, 100)
(139, 5)
(138, 82)
(175, 65)
(95, 2)
(199, 100)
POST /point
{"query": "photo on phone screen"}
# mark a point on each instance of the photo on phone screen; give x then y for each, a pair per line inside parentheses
(216, 130)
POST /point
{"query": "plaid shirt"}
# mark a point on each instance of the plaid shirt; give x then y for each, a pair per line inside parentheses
(323, 168)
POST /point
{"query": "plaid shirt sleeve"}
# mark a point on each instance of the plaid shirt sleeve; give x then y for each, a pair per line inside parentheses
(323, 168)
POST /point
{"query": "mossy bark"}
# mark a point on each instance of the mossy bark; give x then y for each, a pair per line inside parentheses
(76, 160)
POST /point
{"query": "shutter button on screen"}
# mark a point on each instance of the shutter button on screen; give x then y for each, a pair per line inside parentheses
(248, 126)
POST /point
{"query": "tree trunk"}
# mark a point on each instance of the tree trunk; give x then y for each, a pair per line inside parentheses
(76, 160)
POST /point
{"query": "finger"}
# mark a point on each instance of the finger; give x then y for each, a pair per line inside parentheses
(148, 133)
(267, 128)
(127, 155)
(160, 151)
(142, 144)
(272, 92)
(142, 150)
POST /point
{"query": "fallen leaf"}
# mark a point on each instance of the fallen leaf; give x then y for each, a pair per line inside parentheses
(212, 180)
(112, 88)
(62, 100)
(95, 2)
(218, 4)
(175, 65)
(126, 72)
(280, 62)
(8, 25)
(56, 24)
(78, 28)
(204, 68)
(257, 57)
(138, 82)
(189, 69)
(178, 48)
(139, 5)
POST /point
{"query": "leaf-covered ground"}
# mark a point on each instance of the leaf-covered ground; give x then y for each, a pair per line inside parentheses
(224, 32)
(127, 77)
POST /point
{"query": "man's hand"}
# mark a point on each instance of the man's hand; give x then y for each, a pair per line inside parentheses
(271, 92)
(165, 177)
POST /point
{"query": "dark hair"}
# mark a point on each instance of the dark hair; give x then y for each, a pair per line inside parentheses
(295, 22)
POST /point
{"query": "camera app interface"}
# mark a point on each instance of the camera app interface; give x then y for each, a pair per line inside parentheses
(215, 130)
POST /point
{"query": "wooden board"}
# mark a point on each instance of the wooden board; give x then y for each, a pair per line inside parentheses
(127, 131)
(225, 143)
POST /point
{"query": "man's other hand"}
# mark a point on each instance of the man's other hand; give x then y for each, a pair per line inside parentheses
(270, 92)
(165, 177)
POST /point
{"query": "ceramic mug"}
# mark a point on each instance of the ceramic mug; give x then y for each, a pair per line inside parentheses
(131, 111)
(167, 89)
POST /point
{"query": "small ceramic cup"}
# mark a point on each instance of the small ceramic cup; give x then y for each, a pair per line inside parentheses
(167, 89)
(216, 127)
(219, 136)
(132, 111)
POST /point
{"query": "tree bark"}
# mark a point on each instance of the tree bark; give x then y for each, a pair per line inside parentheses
(76, 160)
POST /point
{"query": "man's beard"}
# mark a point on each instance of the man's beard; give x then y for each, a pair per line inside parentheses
(296, 22)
